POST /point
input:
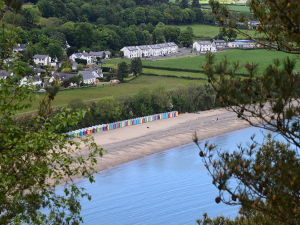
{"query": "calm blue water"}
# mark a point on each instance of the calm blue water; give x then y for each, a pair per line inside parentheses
(171, 187)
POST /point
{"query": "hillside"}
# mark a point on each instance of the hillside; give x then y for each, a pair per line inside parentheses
(104, 25)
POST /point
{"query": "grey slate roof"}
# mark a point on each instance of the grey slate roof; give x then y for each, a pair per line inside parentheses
(36, 56)
(100, 54)
(131, 48)
(219, 41)
(19, 48)
(143, 47)
(87, 76)
(204, 42)
(154, 46)
(3, 73)
(63, 76)
(171, 44)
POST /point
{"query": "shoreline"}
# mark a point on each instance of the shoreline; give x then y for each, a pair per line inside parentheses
(134, 142)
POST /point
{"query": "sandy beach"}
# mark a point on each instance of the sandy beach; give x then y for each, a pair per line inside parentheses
(137, 141)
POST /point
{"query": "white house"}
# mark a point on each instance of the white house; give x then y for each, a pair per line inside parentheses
(156, 50)
(42, 60)
(145, 51)
(20, 48)
(241, 44)
(149, 50)
(131, 52)
(100, 54)
(173, 47)
(220, 44)
(90, 59)
(35, 81)
(88, 77)
(204, 46)
(96, 71)
(3, 74)
(93, 72)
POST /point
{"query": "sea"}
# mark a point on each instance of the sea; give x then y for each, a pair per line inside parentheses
(170, 187)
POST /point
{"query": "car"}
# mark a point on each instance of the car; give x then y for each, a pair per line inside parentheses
(42, 90)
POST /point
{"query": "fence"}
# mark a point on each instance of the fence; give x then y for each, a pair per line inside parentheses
(120, 124)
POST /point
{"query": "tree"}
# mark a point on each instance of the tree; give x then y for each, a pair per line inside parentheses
(55, 51)
(186, 38)
(108, 110)
(136, 66)
(66, 64)
(184, 4)
(171, 33)
(76, 79)
(265, 174)
(71, 51)
(31, 172)
(195, 4)
(123, 70)
(229, 35)
(278, 27)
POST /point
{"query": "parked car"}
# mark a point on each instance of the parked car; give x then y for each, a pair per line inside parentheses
(42, 90)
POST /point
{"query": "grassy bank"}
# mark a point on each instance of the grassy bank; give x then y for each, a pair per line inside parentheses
(209, 32)
(261, 56)
(94, 93)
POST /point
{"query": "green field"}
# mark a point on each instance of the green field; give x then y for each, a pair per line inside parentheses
(174, 73)
(133, 87)
(260, 56)
(210, 32)
(241, 8)
(222, 1)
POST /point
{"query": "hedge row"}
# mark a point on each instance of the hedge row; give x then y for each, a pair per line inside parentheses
(185, 70)
(173, 69)
(173, 76)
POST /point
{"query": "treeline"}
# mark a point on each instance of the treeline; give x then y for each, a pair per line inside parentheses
(104, 25)
(146, 102)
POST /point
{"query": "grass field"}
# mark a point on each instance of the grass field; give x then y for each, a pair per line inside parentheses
(174, 73)
(261, 56)
(133, 87)
(222, 1)
(210, 32)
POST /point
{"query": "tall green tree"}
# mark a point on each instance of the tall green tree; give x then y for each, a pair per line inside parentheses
(55, 51)
(265, 174)
(30, 172)
(195, 4)
(123, 71)
(185, 38)
(136, 66)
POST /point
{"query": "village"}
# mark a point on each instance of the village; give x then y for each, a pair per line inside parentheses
(92, 72)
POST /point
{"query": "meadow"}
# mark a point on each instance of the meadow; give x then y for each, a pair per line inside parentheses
(102, 91)
(261, 56)
(174, 73)
(209, 32)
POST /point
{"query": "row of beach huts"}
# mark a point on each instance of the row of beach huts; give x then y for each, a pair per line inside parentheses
(120, 124)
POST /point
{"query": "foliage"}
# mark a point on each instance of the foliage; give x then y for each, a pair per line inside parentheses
(136, 66)
(66, 64)
(186, 37)
(108, 110)
(263, 177)
(30, 173)
(278, 26)
(76, 79)
(81, 61)
(145, 102)
(228, 36)
(123, 71)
